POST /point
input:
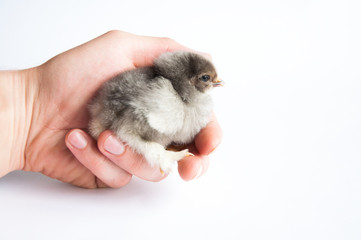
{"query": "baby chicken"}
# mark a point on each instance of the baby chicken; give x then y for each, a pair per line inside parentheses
(153, 107)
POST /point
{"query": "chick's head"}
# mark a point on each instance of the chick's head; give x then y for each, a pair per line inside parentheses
(187, 71)
(203, 75)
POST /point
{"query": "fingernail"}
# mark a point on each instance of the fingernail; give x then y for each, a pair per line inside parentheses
(216, 146)
(113, 146)
(212, 150)
(77, 140)
(199, 173)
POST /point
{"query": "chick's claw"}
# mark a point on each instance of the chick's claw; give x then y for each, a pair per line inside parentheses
(189, 154)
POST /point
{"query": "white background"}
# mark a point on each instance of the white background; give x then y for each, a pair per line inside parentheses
(290, 162)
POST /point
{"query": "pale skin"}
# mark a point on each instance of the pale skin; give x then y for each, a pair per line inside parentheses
(44, 117)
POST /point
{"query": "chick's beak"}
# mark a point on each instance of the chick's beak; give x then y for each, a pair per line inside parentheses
(218, 83)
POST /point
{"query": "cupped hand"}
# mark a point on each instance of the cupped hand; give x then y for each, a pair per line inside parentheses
(58, 144)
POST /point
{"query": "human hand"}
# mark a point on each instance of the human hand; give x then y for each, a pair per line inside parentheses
(57, 143)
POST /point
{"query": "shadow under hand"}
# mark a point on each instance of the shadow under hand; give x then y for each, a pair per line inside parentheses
(36, 185)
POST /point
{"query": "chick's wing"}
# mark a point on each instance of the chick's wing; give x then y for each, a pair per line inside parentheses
(165, 109)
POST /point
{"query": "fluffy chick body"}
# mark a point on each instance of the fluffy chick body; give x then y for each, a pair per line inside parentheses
(152, 107)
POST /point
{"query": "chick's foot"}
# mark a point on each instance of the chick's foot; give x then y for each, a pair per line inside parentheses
(168, 159)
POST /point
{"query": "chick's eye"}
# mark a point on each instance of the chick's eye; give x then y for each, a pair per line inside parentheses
(205, 78)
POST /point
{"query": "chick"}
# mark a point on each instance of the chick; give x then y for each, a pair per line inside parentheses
(153, 107)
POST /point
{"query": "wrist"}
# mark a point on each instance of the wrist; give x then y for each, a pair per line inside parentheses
(17, 92)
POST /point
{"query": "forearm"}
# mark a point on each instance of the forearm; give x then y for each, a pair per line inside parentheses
(17, 94)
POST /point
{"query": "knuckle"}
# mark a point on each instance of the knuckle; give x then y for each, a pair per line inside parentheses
(166, 41)
(116, 34)
(113, 32)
